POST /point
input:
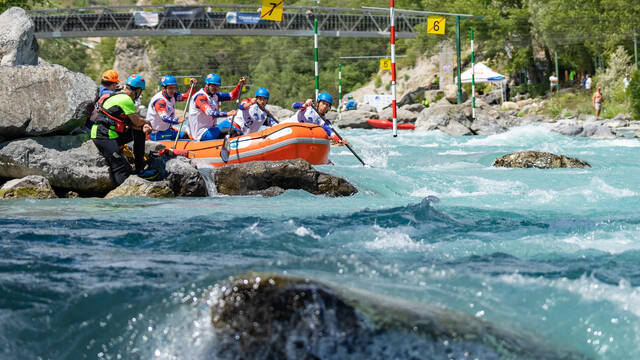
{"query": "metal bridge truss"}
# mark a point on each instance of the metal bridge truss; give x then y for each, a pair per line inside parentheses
(211, 20)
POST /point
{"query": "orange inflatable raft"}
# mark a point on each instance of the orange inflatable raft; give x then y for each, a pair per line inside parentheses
(280, 142)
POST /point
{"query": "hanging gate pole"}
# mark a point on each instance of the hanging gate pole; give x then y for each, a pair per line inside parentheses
(393, 69)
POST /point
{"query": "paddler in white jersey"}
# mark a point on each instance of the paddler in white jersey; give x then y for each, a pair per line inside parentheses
(252, 114)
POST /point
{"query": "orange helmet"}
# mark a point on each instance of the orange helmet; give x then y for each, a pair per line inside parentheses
(110, 76)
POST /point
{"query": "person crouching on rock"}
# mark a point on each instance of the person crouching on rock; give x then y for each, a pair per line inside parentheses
(161, 112)
(252, 114)
(117, 124)
(204, 111)
(108, 83)
(306, 114)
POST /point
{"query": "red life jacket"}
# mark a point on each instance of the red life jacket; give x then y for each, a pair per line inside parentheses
(120, 121)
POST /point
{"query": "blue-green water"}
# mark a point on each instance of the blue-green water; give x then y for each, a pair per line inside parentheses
(550, 252)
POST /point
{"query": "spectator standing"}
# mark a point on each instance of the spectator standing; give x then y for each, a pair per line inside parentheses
(572, 77)
(553, 82)
(626, 81)
(597, 101)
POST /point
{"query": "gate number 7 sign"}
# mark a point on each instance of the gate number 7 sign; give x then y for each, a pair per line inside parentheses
(271, 10)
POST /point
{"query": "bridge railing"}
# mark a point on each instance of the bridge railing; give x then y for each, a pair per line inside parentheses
(212, 20)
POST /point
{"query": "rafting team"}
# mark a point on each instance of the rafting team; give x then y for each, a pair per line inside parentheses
(115, 122)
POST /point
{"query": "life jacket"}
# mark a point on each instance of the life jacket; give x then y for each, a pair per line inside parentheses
(120, 125)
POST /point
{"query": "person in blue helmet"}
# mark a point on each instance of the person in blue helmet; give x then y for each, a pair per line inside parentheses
(161, 112)
(117, 124)
(252, 114)
(306, 114)
(351, 103)
(204, 111)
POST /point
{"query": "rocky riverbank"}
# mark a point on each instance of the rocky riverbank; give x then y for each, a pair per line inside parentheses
(45, 153)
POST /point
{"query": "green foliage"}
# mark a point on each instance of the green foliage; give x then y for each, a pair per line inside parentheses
(634, 94)
(25, 4)
(70, 53)
(378, 82)
(571, 103)
(611, 78)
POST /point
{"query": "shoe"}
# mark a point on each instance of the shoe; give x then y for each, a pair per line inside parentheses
(149, 174)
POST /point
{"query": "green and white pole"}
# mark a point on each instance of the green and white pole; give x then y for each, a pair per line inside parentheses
(473, 80)
(458, 59)
(315, 50)
(635, 48)
(339, 92)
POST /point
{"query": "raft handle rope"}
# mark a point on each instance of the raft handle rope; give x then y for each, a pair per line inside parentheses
(262, 136)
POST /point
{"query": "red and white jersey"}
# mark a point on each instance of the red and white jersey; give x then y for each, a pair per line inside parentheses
(250, 118)
(204, 110)
(161, 112)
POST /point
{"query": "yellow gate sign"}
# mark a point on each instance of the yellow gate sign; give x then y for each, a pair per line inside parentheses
(435, 25)
(385, 64)
(272, 10)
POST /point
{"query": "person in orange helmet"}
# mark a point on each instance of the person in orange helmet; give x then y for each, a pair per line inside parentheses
(108, 83)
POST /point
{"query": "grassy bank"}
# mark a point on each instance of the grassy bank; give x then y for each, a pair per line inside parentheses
(577, 102)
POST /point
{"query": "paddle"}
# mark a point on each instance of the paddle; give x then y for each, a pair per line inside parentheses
(269, 114)
(226, 144)
(338, 135)
(184, 115)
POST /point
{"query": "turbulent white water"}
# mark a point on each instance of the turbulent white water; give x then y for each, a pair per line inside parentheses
(549, 252)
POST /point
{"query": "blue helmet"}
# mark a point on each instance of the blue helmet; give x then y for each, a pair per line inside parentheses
(168, 80)
(262, 92)
(136, 81)
(325, 97)
(213, 79)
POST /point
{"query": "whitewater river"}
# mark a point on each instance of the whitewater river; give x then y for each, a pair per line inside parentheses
(555, 253)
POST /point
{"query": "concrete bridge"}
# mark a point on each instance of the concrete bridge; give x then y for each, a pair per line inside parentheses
(225, 20)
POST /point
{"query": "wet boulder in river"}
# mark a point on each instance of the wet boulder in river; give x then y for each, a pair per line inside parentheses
(264, 177)
(68, 162)
(28, 187)
(540, 160)
(271, 316)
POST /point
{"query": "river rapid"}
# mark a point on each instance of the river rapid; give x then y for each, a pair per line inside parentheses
(555, 253)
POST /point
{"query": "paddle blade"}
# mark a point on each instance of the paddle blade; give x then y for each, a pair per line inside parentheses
(226, 149)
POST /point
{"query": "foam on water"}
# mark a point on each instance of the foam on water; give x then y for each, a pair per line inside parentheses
(552, 252)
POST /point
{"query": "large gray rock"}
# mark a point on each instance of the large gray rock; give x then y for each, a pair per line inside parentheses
(268, 316)
(68, 162)
(451, 93)
(184, 178)
(136, 186)
(454, 120)
(487, 122)
(18, 45)
(597, 131)
(356, 119)
(412, 96)
(280, 113)
(413, 107)
(43, 100)
(255, 177)
(403, 115)
(567, 128)
(367, 108)
(29, 187)
(540, 160)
